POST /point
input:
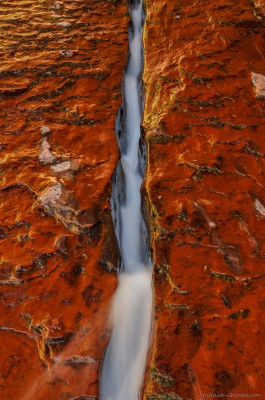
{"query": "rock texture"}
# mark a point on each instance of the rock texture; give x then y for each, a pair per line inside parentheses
(61, 67)
(60, 74)
(204, 125)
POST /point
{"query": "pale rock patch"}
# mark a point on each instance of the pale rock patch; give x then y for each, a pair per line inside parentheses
(63, 166)
(46, 156)
(258, 81)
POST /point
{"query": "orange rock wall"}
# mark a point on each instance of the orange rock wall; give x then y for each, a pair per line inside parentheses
(204, 125)
(60, 74)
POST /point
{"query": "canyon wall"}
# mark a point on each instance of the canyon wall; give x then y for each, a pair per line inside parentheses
(60, 75)
(204, 125)
(62, 65)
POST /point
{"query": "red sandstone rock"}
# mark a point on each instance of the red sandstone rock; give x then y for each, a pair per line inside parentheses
(204, 126)
(60, 74)
(61, 67)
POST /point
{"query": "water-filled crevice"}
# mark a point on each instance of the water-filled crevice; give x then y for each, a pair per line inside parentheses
(127, 179)
(124, 361)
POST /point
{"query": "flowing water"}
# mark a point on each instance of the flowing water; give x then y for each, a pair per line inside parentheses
(124, 362)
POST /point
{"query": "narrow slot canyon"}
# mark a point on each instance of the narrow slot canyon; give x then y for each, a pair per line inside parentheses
(131, 315)
(132, 199)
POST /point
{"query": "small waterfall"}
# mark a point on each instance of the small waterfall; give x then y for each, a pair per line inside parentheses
(124, 362)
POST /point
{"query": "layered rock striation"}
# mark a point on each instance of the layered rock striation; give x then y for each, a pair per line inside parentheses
(60, 74)
(204, 126)
(204, 76)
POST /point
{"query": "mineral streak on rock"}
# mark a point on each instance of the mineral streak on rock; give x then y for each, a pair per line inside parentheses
(204, 125)
(61, 67)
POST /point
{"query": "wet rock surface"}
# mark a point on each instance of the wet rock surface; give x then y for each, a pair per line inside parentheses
(204, 126)
(60, 74)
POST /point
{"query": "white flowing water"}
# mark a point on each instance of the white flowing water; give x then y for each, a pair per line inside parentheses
(124, 362)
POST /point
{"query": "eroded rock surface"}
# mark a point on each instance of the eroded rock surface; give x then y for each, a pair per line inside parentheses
(204, 125)
(60, 74)
(61, 67)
